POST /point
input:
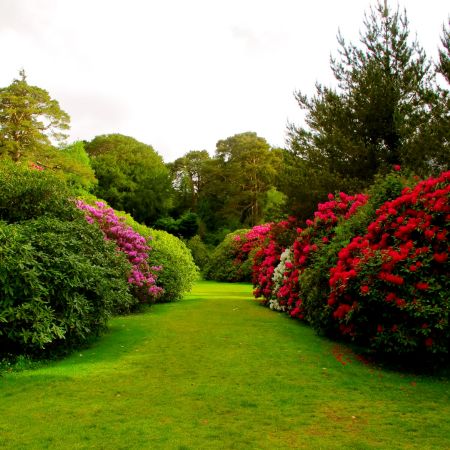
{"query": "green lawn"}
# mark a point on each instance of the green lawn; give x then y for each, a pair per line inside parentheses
(217, 370)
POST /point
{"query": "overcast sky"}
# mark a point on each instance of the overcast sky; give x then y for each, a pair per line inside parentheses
(182, 74)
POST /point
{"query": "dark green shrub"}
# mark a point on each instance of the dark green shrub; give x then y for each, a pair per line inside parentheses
(59, 283)
(28, 193)
(200, 251)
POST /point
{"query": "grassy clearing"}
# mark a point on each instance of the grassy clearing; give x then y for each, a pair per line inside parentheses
(218, 371)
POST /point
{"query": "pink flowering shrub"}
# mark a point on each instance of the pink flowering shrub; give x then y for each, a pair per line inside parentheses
(143, 276)
(390, 287)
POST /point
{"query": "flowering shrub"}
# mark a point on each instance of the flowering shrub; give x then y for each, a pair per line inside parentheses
(142, 276)
(232, 258)
(389, 288)
(178, 270)
(309, 241)
(315, 277)
(247, 243)
(279, 278)
(267, 257)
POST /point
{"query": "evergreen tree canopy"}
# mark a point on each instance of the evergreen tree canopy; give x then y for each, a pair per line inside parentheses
(377, 115)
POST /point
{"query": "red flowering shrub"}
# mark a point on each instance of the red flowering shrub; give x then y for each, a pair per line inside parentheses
(317, 234)
(314, 279)
(390, 288)
(267, 257)
(231, 260)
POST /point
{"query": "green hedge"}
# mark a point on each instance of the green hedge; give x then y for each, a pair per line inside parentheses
(27, 194)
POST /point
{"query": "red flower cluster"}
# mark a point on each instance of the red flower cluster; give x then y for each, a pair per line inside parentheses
(267, 257)
(310, 240)
(396, 276)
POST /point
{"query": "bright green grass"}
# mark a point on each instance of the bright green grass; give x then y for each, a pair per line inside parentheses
(219, 371)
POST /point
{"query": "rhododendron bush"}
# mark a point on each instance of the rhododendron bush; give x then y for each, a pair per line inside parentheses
(390, 288)
(231, 260)
(143, 276)
(372, 268)
(267, 257)
(309, 241)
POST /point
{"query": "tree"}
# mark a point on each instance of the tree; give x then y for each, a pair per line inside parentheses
(29, 119)
(70, 163)
(187, 173)
(375, 117)
(444, 54)
(243, 170)
(131, 176)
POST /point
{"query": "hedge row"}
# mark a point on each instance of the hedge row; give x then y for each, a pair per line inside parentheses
(66, 266)
(373, 269)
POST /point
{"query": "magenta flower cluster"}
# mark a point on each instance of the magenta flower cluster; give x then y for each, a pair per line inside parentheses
(142, 276)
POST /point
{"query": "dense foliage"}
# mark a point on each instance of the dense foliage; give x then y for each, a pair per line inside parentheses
(59, 279)
(28, 194)
(178, 270)
(29, 120)
(59, 283)
(131, 176)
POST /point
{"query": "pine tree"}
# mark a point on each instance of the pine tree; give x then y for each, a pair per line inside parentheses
(374, 118)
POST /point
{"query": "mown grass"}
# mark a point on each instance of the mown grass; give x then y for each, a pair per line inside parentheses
(217, 370)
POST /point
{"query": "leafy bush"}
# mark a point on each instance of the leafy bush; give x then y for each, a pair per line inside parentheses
(389, 288)
(200, 251)
(27, 194)
(179, 271)
(59, 282)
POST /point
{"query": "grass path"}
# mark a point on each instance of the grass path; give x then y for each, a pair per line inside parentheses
(218, 371)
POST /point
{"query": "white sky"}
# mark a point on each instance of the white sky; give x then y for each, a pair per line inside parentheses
(182, 74)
